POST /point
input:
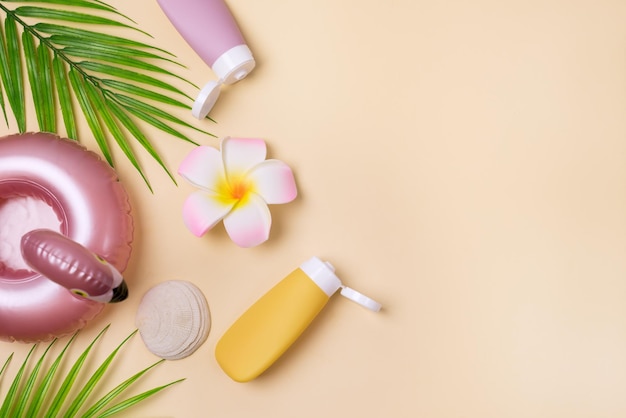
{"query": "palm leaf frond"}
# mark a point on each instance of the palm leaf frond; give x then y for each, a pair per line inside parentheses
(64, 95)
(114, 80)
(27, 397)
(76, 3)
(113, 393)
(12, 395)
(69, 16)
(136, 90)
(12, 71)
(41, 394)
(135, 399)
(79, 45)
(6, 363)
(92, 37)
(30, 384)
(69, 380)
(93, 381)
(77, 81)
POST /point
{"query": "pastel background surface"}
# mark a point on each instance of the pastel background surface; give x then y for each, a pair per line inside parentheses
(462, 162)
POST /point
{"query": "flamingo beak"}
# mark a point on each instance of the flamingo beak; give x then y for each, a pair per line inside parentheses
(119, 293)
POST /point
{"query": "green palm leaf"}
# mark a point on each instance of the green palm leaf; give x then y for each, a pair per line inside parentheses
(112, 56)
(7, 405)
(68, 16)
(93, 381)
(102, 402)
(92, 37)
(67, 384)
(135, 399)
(6, 363)
(42, 391)
(85, 46)
(35, 77)
(64, 94)
(77, 82)
(115, 81)
(98, 67)
(26, 398)
(3, 106)
(77, 3)
(30, 384)
(143, 92)
(12, 71)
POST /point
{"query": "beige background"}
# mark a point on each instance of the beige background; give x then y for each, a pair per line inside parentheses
(462, 162)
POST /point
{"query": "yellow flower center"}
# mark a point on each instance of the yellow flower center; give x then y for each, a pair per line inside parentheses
(237, 190)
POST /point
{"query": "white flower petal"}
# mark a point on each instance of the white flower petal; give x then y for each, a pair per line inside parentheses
(241, 154)
(249, 224)
(273, 180)
(202, 167)
(202, 211)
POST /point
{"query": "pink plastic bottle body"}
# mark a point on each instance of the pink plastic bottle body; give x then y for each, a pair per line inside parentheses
(207, 26)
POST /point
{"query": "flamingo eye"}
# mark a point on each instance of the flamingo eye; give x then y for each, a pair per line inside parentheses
(79, 292)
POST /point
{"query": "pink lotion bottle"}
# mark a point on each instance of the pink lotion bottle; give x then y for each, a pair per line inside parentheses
(210, 29)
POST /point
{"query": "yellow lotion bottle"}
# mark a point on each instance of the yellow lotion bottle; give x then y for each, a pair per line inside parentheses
(269, 327)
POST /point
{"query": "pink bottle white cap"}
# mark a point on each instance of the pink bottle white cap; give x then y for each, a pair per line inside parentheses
(323, 274)
(232, 66)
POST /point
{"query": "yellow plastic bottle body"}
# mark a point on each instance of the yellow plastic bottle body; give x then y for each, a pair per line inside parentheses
(269, 327)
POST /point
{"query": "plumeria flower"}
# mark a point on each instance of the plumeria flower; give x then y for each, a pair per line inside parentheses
(236, 185)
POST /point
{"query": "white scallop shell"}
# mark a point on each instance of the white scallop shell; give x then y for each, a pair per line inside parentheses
(173, 319)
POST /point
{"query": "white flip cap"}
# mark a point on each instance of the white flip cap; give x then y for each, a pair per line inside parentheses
(323, 274)
(206, 99)
(360, 298)
(232, 66)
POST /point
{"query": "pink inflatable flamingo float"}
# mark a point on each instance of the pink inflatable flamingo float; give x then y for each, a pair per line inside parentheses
(71, 273)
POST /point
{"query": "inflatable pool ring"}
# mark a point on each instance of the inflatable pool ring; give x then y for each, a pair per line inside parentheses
(69, 276)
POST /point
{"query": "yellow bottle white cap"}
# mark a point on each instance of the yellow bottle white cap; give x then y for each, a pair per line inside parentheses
(323, 274)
